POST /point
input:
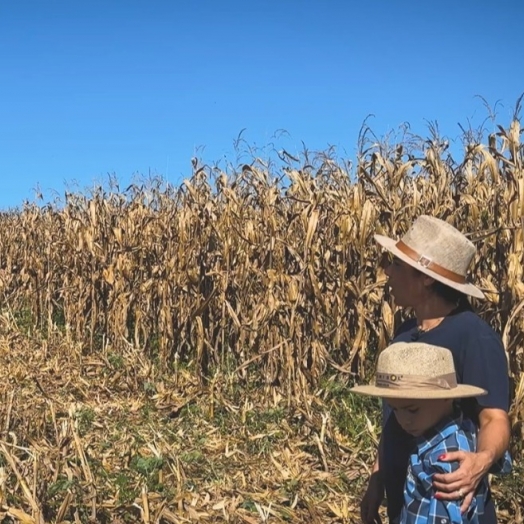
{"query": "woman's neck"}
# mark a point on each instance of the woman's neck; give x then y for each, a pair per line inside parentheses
(432, 312)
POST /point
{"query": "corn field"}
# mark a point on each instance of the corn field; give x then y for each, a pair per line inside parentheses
(258, 275)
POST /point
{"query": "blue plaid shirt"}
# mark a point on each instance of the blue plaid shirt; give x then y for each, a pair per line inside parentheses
(420, 504)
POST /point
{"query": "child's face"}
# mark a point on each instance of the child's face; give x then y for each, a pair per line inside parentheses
(417, 416)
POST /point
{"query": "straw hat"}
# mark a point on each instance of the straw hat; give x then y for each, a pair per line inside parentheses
(414, 370)
(437, 249)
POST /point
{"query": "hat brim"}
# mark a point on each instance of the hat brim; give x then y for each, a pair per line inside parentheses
(461, 391)
(390, 245)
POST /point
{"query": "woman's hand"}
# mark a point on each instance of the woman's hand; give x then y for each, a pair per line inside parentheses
(461, 483)
(493, 440)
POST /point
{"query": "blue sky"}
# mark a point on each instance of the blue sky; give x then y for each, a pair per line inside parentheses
(132, 87)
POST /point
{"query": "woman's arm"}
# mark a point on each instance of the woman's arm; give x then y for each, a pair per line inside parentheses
(494, 435)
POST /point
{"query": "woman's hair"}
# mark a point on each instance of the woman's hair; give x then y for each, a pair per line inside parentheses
(452, 296)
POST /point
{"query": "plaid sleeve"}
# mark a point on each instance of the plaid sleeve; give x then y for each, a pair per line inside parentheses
(448, 511)
(421, 505)
(503, 466)
(454, 442)
(439, 466)
(443, 511)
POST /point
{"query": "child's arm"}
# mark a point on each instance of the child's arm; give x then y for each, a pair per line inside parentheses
(421, 504)
(445, 512)
(374, 494)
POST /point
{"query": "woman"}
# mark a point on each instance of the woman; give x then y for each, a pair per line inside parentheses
(428, 274)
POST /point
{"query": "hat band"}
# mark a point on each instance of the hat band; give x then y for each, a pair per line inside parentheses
(398, 381)
(427, 263)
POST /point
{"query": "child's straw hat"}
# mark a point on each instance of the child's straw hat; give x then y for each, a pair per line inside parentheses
(415, 370)
(437, 249)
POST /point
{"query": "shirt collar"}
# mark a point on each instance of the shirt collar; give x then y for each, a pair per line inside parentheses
(447, 426)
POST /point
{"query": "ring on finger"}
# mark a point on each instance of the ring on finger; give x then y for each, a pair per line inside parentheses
(460, 493)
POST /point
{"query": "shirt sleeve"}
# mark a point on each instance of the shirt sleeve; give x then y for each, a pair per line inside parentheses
(433, 465)
(443, 511)
(485, 365)
(503, 466)
(422, 506)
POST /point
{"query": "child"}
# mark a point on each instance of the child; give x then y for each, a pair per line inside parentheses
(418, 382)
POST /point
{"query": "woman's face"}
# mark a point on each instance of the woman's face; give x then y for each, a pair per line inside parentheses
(407, 284)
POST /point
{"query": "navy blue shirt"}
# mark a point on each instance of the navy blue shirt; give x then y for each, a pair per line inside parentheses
(480, 360)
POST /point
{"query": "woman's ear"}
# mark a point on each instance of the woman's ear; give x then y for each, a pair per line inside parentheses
(428, 281)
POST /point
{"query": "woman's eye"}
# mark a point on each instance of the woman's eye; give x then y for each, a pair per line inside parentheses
(413, 410)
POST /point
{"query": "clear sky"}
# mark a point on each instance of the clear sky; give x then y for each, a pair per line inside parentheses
(91, 87)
